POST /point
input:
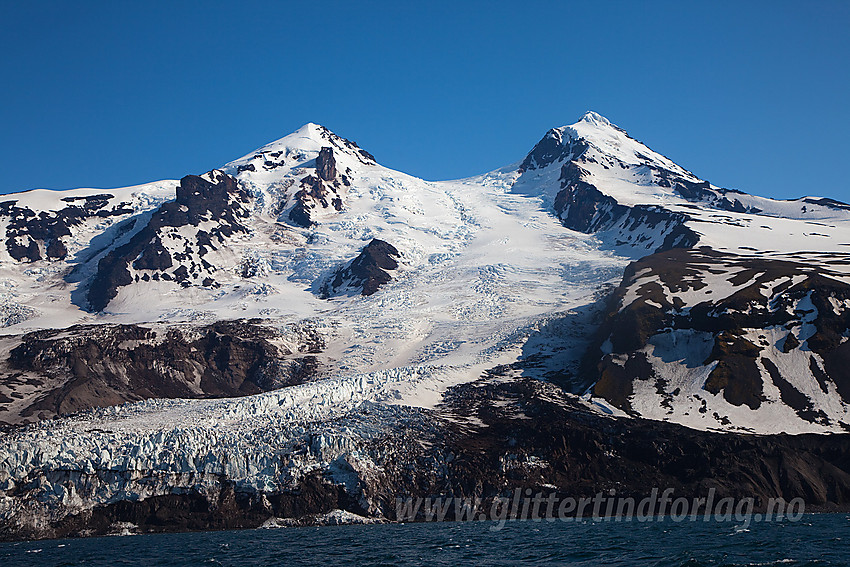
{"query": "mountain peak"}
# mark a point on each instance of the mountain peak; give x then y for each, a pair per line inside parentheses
(309, 137)
(313, 131)
(569, 142)
(297, 148)
(596, 119)
(598, 140)
(593, 124)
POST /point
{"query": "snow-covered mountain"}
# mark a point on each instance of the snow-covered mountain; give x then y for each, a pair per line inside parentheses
(744, 331)
(346, 316)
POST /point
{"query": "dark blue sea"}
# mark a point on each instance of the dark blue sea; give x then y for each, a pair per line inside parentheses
(820, 539)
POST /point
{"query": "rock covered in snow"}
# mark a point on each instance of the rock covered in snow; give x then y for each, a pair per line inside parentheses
(726, 342)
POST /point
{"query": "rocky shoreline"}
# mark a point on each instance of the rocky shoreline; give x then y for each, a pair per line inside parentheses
(497, 437)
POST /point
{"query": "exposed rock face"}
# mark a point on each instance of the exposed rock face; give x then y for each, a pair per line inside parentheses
(95, 366)
(702, 192)
(543, 437)
(583, 207)
(367, 272)
(829, 203)
(552, 148)
(320, 190)
(326, 164)
(757, 331)
(32, 236)
(223, 508)
(314, 193)
(216, 198)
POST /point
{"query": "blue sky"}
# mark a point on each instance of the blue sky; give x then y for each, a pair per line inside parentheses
(750, 95)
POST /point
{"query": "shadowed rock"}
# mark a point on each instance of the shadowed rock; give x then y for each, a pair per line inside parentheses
(26, 229)
(94, 366)
(326, 164)
(219, 199)
(740, 362)
(367, 272)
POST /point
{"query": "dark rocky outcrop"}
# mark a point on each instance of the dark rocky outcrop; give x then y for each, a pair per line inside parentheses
(300, 213)
(535, 435)
(314, 193)
(367, 272)
(553, 148)
(326, 164)
(226, 509)
(740, 362)
(583, 207)
(29, 251)
(320, 190)
(56, 249)
(223, 507)
(825, 202)
(217, 198)
(95, 366)
(702, 192)
(737, 373)
(29, 233)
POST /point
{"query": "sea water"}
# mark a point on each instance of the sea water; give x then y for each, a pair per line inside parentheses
(816, 539)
